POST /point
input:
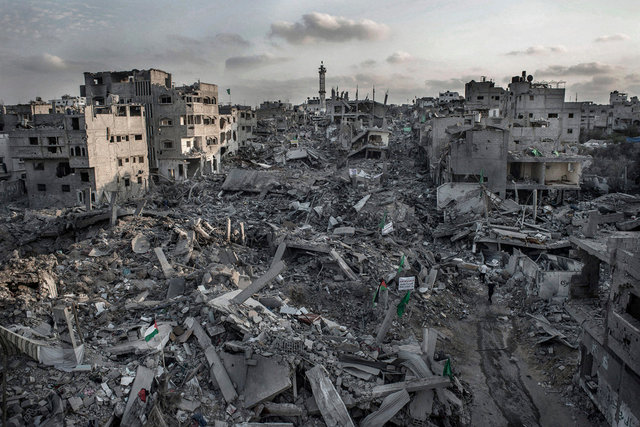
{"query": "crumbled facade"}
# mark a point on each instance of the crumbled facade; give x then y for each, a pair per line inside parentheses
(71, 159)
(183, 126)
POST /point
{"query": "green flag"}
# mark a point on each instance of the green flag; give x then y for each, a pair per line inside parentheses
(228, 91)
(401, 264)
(447, 369)
(403, 304)
(384, 220)
(481, 176)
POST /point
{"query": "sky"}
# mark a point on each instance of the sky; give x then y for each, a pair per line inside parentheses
(271, 50)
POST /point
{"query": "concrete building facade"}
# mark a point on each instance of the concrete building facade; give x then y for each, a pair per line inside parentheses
(610, 351)
(71, 159)
(183, 126)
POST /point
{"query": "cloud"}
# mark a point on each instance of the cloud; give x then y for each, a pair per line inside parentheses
(232, 39)
(316, 27)
(253, 61)
(399, 57)
(538, 50)
(47, 63)
(453, 84)
(583, 69)
(612, 38)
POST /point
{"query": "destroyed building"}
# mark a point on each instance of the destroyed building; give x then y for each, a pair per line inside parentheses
(610, 346)
(247, 123)
(228, 129)
(81, 157)
(184, 133)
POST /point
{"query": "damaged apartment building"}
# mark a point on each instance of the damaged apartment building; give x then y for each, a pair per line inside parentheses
(514, 141)
(610, 345)
(183, 127)
(82, 155)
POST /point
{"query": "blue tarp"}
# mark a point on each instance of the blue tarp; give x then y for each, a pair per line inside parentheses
(634, 139)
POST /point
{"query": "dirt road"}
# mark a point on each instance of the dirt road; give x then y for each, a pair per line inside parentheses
(505, 390)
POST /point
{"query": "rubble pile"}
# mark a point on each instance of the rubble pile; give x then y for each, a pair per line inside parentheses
(238, 299)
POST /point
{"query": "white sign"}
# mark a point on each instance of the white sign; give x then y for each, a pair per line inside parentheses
(388, 228)
(406, 283)
(353, 172)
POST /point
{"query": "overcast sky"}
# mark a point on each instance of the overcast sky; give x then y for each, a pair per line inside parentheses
(272, 49)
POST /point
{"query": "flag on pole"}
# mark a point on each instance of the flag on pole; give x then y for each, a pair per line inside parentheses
(228, 91)
(403, 304)
(151, 332)
(447, 369)
(401, 264)
(376, 296)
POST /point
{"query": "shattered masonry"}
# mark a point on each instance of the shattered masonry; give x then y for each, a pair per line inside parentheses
(169, 260)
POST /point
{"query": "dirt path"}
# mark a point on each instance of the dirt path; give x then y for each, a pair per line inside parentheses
(505, 390)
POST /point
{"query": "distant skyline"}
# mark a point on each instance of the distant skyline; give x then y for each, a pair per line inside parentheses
(270, 50)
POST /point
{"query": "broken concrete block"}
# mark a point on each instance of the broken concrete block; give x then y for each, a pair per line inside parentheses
(265, 380)
(176, 287)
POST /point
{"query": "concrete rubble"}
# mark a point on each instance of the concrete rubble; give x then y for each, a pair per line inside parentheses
(325, 282)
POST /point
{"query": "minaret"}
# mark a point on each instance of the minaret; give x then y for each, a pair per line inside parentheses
(322, 71)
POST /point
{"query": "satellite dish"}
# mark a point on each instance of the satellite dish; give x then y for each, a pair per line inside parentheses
(529, 78)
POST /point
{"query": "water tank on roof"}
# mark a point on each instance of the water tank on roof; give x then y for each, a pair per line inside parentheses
(529, 78)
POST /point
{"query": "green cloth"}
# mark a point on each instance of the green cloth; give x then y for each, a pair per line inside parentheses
(447, 369)
(228, 91)
(403, 304)
(401, 264)
(384, 221)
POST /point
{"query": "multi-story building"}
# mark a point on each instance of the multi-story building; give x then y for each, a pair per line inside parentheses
(448, 96)
(485, 97)
(610, 349)
(595, 116)
(71, 159)
(183, 126)
(247, 122)
(538, 105)
(228, 129)
(68, 102)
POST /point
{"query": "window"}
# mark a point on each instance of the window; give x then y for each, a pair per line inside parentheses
(119, 162)
(126, 137)
(33, 140)
(165, 122)
(552, 115)
(135, 111)
(112, 139)
(530, 115)
(84, 176)
(138, 137)
(165, 99)
(118, 138)
(139, 180)
(569, 130)
(571, 115)
(127, 182)
(140, 159)
(53, 140)
(38, 166)
(66, 188)
(126, 160)
(168, 145)
(188, 144)
(78, 151)
(42, 187)
(497, 97)
(633, 307)
(75, 123)
(63, 169)
(480, 97)
(133, 159)
(530, 97)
